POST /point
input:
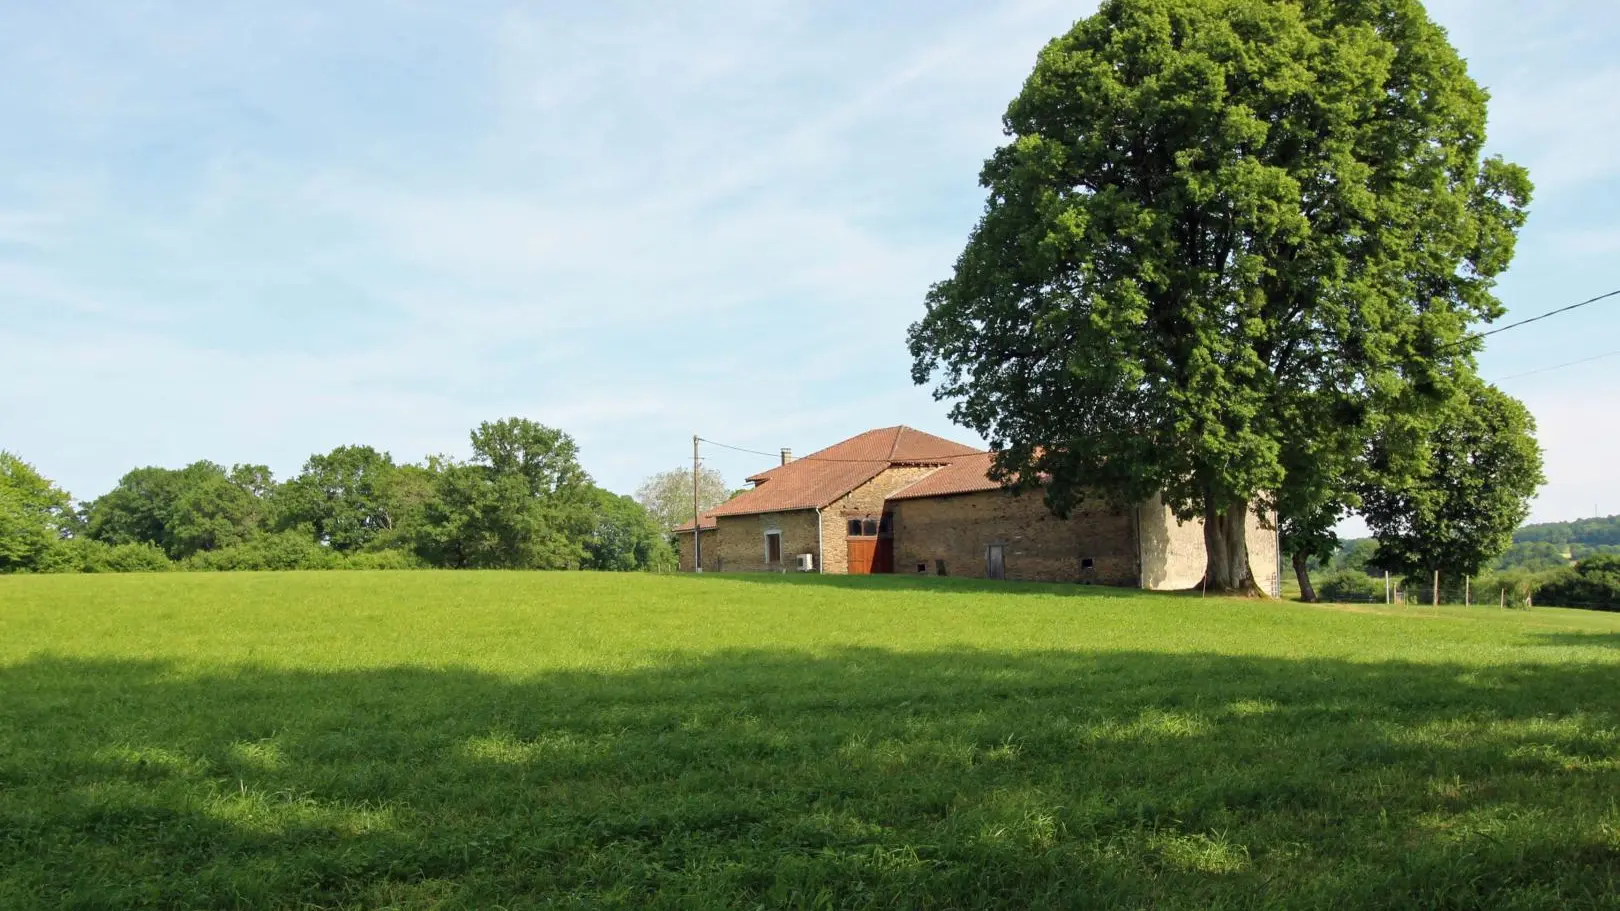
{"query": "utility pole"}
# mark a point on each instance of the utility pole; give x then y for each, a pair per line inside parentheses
(697, 517)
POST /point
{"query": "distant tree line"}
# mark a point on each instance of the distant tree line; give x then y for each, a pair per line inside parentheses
(522, 501)
(1556, 564)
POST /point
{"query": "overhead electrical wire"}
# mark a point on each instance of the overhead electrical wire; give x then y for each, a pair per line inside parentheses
(1584, 360)
(1535, 319)
(1478, 335)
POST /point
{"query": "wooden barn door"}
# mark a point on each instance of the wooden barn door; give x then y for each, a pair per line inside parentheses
(862, 555)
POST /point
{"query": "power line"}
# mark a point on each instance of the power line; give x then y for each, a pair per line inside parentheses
(1584, 360)
(1535, 319)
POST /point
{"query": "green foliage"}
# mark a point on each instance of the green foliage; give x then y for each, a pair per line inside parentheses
(523, 502)
(201, 507)
(283, 550)
(1533, 556)
(34, 514)
(1351, 587)
(627, 538)
(515, 740)
(1478, 468)
(1592, 532)
(87, 555)
(667, 495)
(349, 498)
(1594, 584)
(1220, 228)
(382, 559)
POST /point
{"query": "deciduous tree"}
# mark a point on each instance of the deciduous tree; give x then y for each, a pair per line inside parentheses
(33, 513)
(200, 507)
(1480, 466)
(522, 502)
(347, 497)
(1221, 225)
(667, 495)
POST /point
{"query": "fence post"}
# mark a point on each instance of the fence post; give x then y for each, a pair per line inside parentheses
(1437, 588)
(1468, 591)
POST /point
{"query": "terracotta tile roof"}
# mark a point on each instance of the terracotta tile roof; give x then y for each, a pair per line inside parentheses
(967, 474)
(822, 477)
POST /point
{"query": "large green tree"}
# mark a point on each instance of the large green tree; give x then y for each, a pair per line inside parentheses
(1221, 226)
(203, 506)
(522, 502)
(1480, 466)
(349, 498)
(33, 514)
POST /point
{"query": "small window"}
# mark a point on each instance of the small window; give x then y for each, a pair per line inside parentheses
(854, 528)
(773, 547)
(1087, 563)
(922, 568)
(870, 528)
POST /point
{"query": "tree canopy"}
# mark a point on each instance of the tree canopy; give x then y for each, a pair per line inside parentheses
(667, 495)
(1221, 228)
(522, 501)
(33, 514)
(184, 511)
(347, 497)
(1479, 467)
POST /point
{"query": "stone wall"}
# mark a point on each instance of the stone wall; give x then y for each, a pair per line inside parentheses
(740, 547)
(1039, 547)
(683, 543)
(1173, 553)
(865, 500)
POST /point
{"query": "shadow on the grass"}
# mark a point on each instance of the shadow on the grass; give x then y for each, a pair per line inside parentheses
(862, 778)
(1608, 640)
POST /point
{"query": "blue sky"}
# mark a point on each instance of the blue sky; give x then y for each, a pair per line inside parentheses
(250, 232)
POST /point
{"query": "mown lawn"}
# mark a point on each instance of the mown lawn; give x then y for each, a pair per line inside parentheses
(468, 740)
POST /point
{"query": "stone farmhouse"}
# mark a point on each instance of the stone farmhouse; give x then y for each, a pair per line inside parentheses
(897, 500)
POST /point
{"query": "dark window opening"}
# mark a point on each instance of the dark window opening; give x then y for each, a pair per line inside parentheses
(773, 547)
(922, 568)
(886, 524)
(870, 526)
(854, 528)
(1087, 563)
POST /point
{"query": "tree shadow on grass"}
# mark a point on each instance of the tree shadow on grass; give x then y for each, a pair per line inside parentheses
(1605, 640)
(859, 778)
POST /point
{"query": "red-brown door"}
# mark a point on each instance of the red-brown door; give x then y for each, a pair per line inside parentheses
(862, 555)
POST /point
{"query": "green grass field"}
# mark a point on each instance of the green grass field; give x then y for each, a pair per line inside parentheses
(488, 740)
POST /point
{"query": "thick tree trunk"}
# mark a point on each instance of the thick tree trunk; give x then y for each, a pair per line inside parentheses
(1226, 548)
(1302, 570)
